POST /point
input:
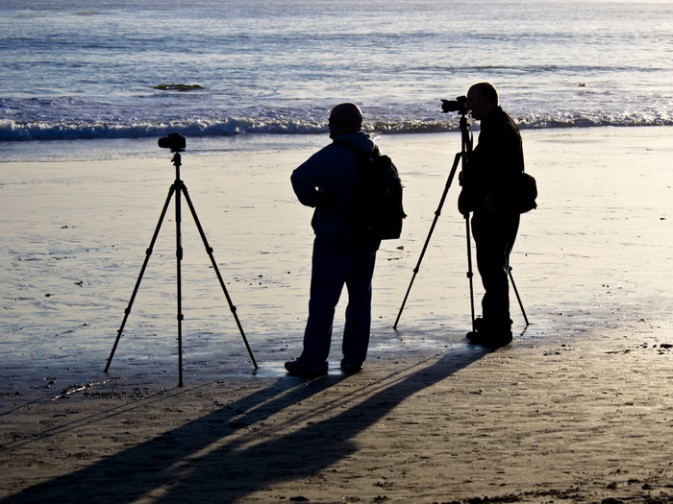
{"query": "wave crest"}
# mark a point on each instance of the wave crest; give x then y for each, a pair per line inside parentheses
(230, 126)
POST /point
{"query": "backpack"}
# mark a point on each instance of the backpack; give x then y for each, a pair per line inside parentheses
(525, 193)
(377, 200)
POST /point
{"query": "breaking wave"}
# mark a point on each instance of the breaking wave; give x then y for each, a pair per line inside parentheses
(73, 130)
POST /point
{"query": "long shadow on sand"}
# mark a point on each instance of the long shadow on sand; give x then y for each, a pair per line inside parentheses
(236, 450)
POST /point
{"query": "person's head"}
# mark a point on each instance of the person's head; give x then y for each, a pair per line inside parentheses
(481, 99)
(345, 118)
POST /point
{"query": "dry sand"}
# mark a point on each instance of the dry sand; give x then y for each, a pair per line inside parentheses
(577, 409)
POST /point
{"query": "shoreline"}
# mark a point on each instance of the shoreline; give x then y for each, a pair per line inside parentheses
(146, 148)
(86, 271)
(77, 232)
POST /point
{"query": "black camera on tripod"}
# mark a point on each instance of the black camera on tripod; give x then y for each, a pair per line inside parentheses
(174, 141)
(458, 105)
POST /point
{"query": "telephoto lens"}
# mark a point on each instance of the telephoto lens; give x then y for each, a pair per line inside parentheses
(457, 105)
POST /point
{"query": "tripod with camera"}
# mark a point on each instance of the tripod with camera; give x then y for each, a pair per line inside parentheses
(176, 143)
(458, 105)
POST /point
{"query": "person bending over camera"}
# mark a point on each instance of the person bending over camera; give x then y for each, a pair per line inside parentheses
(486, 187)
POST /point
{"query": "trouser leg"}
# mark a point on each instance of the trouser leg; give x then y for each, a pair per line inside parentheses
(494, 236)
(327, 279)
(359, 309)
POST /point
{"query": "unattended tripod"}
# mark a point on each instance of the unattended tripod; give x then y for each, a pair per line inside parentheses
(177, 143)
(458, 105)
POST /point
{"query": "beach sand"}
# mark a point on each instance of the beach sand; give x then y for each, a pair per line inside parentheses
(577, 409)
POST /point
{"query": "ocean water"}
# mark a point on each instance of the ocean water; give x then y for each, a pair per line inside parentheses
(103, 80)
(121, 69)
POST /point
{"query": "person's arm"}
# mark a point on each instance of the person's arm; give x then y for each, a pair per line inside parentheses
(308, 184)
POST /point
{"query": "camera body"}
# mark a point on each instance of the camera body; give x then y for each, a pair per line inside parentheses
(458, 105)
(174, 141)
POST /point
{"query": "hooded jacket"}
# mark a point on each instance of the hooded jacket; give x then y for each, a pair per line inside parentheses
(326, 182)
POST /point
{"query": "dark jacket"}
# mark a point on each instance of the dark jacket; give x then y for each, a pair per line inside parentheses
(326, 182)
(493, 166)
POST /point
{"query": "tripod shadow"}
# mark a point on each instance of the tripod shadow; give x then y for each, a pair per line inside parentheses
(237, 450)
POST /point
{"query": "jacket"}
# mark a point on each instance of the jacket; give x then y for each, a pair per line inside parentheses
(493, 166)
(326, 182)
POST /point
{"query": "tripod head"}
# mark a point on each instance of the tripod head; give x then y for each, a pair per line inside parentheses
(176, 143)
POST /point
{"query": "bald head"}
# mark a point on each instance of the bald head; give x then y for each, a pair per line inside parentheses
(481, 99)
(485, 90)
(345, 118)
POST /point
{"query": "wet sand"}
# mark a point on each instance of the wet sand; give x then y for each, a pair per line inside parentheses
(577, 409)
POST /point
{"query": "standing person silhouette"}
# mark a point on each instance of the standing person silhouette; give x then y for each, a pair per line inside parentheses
(492, 168)
(342, 253)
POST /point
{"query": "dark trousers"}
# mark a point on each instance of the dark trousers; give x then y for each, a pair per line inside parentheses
(494, 234)
(331, 270)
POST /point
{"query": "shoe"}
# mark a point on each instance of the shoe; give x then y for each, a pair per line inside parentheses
(482, 325)
(490, 340)
(478, 324)
(306, 369)
(350, 368)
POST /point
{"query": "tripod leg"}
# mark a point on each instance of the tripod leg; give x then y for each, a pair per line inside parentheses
(518, 298)
(179, 255)
(438, 212)
(209, 249)
(469, 267)
(148, 253)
